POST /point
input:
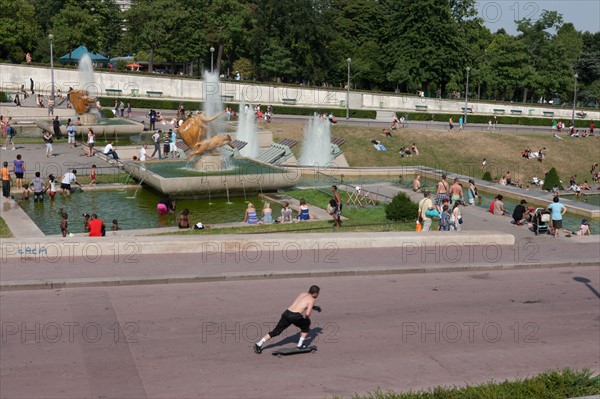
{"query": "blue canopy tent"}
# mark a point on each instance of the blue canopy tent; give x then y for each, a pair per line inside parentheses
(75, 56)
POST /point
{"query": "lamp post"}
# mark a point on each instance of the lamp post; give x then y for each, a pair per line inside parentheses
(349, 60)
(574, 100)
(467, 95)
(51, 37)
(212, 52)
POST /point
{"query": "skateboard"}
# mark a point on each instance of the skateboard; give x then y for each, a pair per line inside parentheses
(293, 351)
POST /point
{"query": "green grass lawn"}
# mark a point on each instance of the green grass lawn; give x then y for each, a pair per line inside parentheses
(549, 385)
(368, 219)
(4, 230)
(460, 152)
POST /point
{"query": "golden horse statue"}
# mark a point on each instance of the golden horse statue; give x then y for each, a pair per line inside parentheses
(193, 132)
(80, 101)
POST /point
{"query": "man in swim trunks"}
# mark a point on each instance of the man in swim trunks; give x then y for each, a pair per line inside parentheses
(441, 192)
(456, 192)
(297, 314)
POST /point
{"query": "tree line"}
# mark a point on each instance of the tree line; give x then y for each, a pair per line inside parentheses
(394, 45)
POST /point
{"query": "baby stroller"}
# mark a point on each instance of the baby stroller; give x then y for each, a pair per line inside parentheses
(541, 221)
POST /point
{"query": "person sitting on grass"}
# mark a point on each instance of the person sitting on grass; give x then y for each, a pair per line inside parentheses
(250, 215)
(267, 213)
(303, 212)
(584, 229)
(286, 213)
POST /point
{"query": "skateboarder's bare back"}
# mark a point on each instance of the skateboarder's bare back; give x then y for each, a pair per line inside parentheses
(297, 314)
(303, 304)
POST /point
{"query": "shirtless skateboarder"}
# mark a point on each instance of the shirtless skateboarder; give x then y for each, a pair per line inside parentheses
(297, 314)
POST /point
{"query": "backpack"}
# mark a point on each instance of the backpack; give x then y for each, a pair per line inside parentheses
(492, 206)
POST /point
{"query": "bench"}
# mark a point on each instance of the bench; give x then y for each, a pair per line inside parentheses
(289, 101)
(581, 115)
(469, 110)
(516, 112)
(114, 91)
(226, 98)
(421, 107)
(154, 93)
(548, 113)
(499, 111)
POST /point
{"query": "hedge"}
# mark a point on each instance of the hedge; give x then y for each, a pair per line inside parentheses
(277, 109)
(502, 120)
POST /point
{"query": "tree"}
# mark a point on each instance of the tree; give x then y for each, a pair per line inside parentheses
(227, 25)
(276, 61)
(424, 32)
(300, 26)
(146, 31)
(551, 180)
(95, 24)
(18, 29)
(507, 66)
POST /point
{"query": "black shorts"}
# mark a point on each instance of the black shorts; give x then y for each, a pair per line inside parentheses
(287, 319)
(19, 175)
(64, 186)
(557, 224)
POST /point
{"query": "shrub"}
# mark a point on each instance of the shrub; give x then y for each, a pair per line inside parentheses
(5, 97)
(107, 113)
(551, 180)
(487, 176)
(401, 208)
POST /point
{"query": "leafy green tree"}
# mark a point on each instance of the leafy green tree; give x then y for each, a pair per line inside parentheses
(95, 24)
(507, 66)
(300, 26)
(245, 67)
(227, 28)
(18, 29)
(560, 54)
(424, 32)
(277, 61)
(153, 24)
(45, 11)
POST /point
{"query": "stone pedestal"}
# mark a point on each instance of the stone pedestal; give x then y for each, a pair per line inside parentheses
(209, 163)
(88, 119)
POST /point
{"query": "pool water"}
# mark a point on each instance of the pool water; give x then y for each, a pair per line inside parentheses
(241, 167)
(134, 209)
(592, 199)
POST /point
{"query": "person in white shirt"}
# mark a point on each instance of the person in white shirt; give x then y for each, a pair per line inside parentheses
(156, 141)
(110, 150)
(143, 153)
(67, 179)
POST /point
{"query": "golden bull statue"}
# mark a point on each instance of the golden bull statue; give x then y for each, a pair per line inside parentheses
(193, 132)
(80, 101)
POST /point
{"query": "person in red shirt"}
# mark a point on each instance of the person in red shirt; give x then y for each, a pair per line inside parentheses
(96, 226)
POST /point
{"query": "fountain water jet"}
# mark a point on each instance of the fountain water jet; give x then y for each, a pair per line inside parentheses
(213, 104)
(247, 132)
(316, 147)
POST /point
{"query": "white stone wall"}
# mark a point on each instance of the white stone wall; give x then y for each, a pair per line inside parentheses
(12, 76)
